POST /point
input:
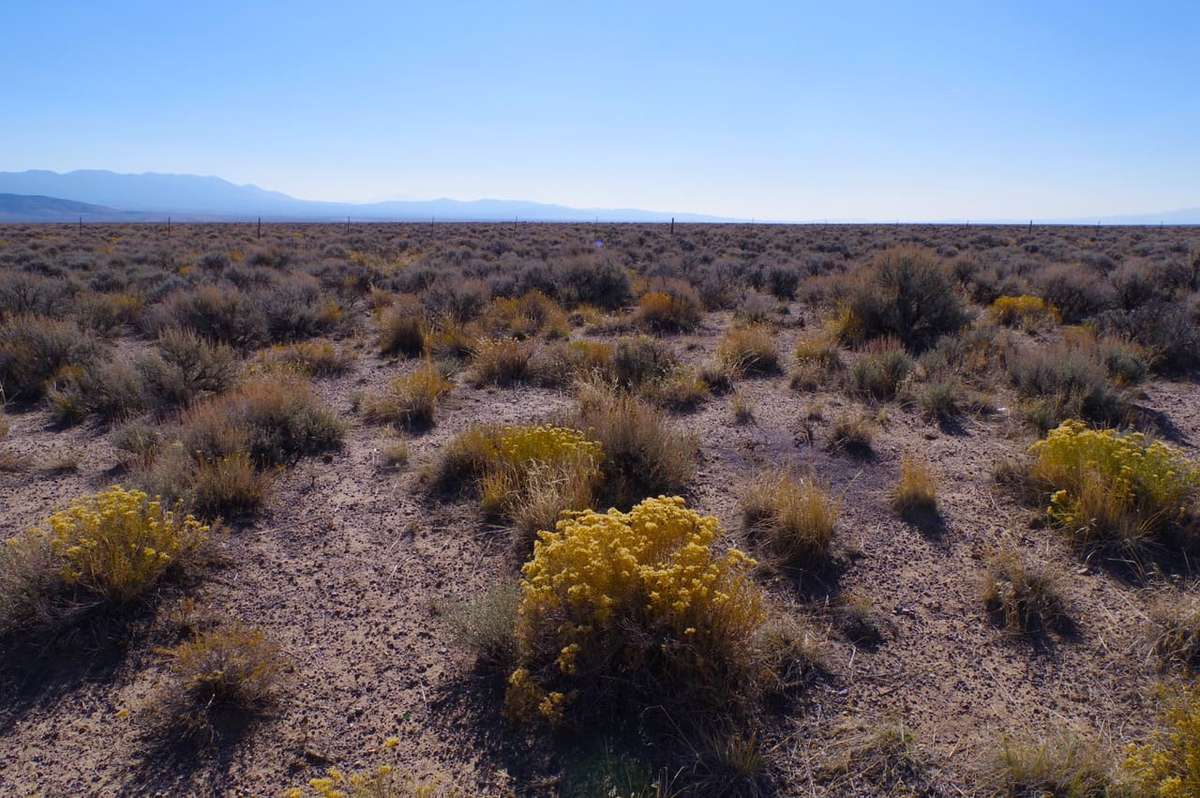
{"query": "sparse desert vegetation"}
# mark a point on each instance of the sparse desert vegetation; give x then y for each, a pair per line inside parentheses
(597, 510)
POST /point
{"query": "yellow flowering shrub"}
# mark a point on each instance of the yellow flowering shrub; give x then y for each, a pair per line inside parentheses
(641, 592)
(1023, 310)
(1169, 765)
(1110, 486)
(118, 542)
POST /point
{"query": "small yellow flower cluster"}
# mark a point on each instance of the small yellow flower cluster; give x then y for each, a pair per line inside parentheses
(118, 542)
(1025, 309)
(597, 573)
(381, 781)
(1169, 765)
(1108, 481)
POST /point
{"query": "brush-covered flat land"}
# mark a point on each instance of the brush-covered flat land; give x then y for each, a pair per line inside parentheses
(599, 510)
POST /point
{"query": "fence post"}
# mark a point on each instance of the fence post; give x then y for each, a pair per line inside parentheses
(260, 227)
(672, 225)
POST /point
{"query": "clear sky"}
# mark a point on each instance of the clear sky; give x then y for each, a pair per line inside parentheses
(789, 110)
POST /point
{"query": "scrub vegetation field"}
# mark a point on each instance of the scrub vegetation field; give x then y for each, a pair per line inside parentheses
(599, 510)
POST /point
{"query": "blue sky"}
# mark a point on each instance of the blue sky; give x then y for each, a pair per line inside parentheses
(770, 110)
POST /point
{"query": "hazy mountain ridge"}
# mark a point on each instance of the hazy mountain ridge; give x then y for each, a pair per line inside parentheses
(192, 196)
(114, 196)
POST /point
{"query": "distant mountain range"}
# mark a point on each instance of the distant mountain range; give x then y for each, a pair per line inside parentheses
(191, 197)
(97, 195)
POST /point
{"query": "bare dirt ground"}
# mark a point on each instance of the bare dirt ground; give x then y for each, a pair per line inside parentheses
(351, 565)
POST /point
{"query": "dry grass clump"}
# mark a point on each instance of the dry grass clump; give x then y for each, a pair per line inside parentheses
(526, 474)
(315, 358)
(1108, 488)
(643, 454)
(1027, 312)
(486, 624)
(749, 351)
(915, 492)
(876, 758)
(818, 362)
(220, 459)
(905, 293)
(880, 371)
(1063, 765)
(409, 400)
(675, 307)
(227, 674)
(394, 455)
(111, 547)
(502, 362)
(530, 315)
(1168, 765)
(35, 348)
(561, 362)
(1175, 629)
(402, 329)
(796, 516)
(742, 407)
(682, 391)
(853, 433)
(641, 360)
(637, 599)
(108, 312)
(1021, 596)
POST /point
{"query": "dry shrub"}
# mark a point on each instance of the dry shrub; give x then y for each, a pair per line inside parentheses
(904, 292)
(276, 419)
(30, 583)
(502, 362)
(562, 362)
(1175, 629)
(107, 313)
(1063, 382)
(1112, 489)
(409, 400)
(1022, 596)
(881, 370)
(749, 350)
(1064, 764)
(682, 391)
(394, 455)
(915, 492)
(221, 675)
(35, 348)
(530, 315)
(187, 367)
(609, 599)
(818, 362)
(218, 313)
(796, 516)
(315, 358)
(672, 307)
(228, 485)
(486, 624)
(640, 360)
(108, 390)
(402, 329)
(643, 454)
(376, 781)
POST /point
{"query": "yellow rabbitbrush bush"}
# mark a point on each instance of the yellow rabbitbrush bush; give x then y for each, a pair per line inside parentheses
(1169, 765)
(117, 543)
(610, 597)
(1026, 311)
(1112, 487)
